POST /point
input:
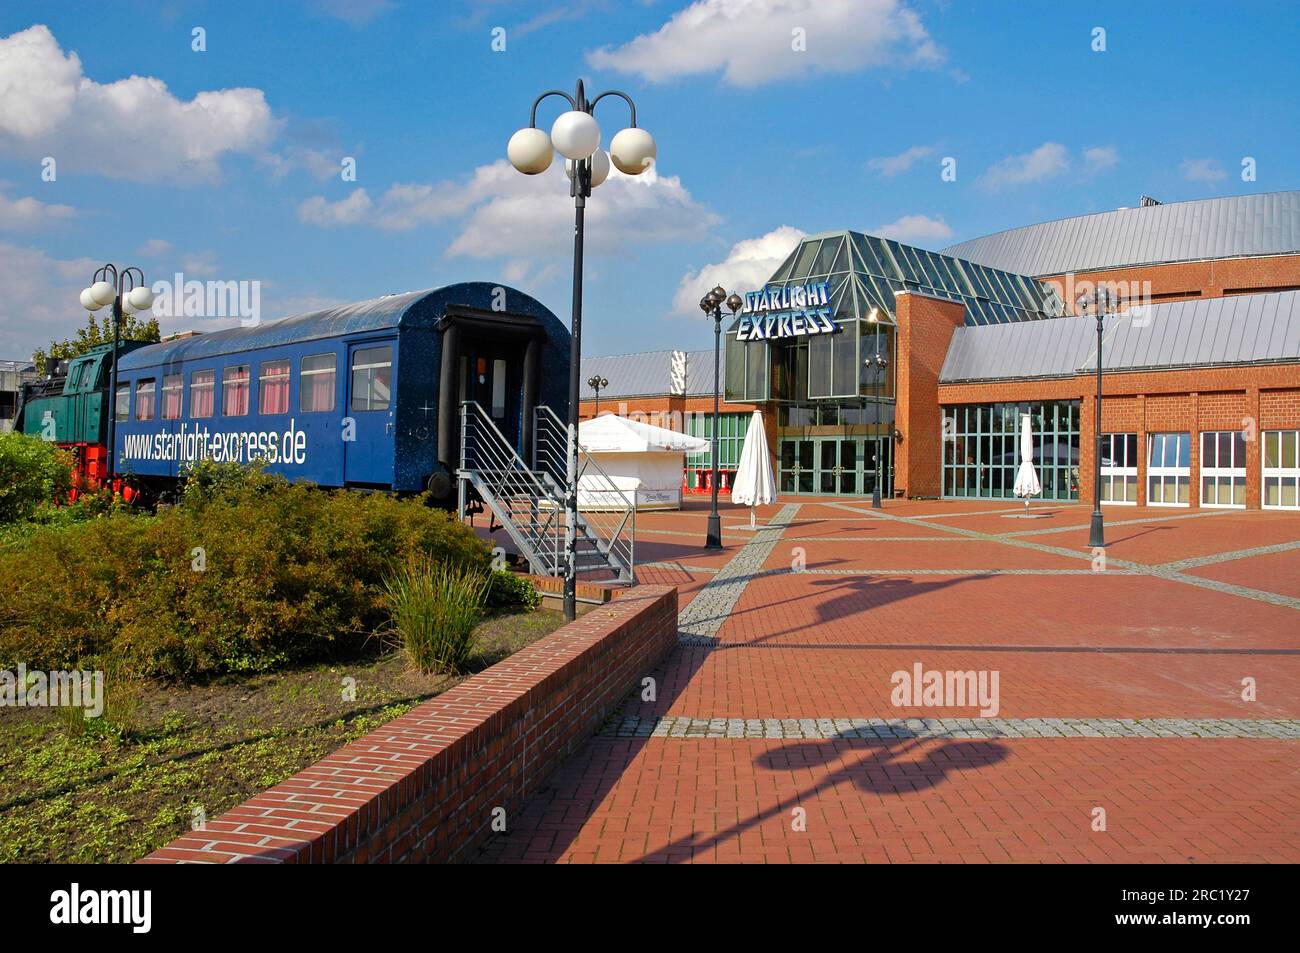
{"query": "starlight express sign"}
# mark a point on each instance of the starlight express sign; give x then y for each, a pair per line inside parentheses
(792, 311)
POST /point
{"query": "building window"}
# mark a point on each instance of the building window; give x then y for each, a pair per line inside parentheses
(144, 396)
(316, 383)
(122, 403)
(372, 377)
(981, 449)
(172, 396)
(202, 392)
(273, 388)
(1119, 468)
(1281, 469)
(1169, 469)
(731, 436)
(1223, 468)
(234, 391)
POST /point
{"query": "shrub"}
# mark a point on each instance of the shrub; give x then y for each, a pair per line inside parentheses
(511, 591)
(435, 608)
(257, 574)
(32, 472)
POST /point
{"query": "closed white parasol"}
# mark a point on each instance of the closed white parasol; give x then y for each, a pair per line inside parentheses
(1027, 484)
(755, 484)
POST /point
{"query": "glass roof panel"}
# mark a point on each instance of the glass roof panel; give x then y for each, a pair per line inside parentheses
(783, 272)
(841, 258)
(826, 256)
(807, 253)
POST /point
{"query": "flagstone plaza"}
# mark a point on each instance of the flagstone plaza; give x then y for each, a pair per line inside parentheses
(1147, 706)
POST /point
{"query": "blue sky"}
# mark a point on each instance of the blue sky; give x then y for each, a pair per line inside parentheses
(772, 117)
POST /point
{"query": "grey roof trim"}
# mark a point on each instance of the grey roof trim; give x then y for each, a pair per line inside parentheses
(1236, 226)
(1206, 332)
(647, 374)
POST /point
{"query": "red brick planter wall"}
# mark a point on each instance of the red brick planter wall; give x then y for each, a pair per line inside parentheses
(423, 787)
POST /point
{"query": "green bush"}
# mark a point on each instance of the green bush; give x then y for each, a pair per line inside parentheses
(32, 472)
(253, 575)
(511, 591)
(435, 607)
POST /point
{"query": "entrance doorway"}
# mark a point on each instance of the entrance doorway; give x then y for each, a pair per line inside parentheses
(834, 466)
(491, 374)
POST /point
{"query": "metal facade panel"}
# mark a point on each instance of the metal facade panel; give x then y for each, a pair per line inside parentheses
(1225, 227)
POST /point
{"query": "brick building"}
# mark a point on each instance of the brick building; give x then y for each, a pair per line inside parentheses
(862, 352)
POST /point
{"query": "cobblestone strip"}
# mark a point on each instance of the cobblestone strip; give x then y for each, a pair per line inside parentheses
(703, 616)
(831, 729)
(1195, 561)
(1259, 595)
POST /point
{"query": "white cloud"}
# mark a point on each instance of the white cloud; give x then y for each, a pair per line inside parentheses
(155, 248)
(28, 213)
(747, 266)
(915, 228)
(1100, 158)
(201, 264)
(753, 41)
(890, 166)
(130, 129)
(1202, 170)
(507, 215)
(41, 298)
(1048, 160)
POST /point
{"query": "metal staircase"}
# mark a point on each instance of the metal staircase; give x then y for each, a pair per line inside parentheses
(529, 501)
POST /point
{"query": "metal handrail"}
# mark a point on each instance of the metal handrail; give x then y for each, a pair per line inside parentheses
(615, 530)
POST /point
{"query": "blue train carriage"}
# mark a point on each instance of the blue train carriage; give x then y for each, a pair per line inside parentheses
(313, 395)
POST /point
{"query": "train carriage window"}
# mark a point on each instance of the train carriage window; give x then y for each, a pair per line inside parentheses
(372, 377)
(202, 393)
(173, 385)
(122, 403)
(144, 398)
(273, 388)
(317, 383)
(234, 391)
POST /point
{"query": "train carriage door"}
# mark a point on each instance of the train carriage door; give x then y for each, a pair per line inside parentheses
(372, 406)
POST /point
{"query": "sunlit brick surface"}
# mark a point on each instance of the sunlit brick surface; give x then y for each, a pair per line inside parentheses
(1119, 690)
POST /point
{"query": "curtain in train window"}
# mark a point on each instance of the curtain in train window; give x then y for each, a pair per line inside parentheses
(202, 392)
(273, 388)
(316, 383)
(144, 398)
(173, 386)
(234, 391)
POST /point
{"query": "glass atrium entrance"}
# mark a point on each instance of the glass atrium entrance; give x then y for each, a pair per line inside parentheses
(834, 466)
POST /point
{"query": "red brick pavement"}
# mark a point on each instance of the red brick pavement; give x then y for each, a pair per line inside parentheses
(1081, 645)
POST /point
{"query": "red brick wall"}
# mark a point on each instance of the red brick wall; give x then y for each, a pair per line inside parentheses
(925, 328)
(1153, 401)
(423, 787)
(1180, 281)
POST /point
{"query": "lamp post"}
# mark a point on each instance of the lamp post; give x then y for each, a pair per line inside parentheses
(880, 362)
(576, 135)
(597, 383)
(711, 305)
(109, 286)
(1102, 299)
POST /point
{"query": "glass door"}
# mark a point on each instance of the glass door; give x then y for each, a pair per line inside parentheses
(797, 466)
(837, 466)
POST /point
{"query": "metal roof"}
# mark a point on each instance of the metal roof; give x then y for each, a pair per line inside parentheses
(1233, 226)
(1240, 329)
(647, 373)
(376, 314)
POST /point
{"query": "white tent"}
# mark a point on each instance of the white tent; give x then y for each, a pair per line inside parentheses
(755, 484)
(642, 463)
(1027, 484)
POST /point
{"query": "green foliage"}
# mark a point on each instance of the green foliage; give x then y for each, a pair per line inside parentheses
(511, 591)
(247, 574)
(32, 472)
(435, 607)
(131, 328)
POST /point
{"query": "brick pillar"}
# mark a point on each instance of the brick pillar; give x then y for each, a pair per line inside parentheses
(1088, 439)
(925, 329)
(1194, 447)
(1142, 449)
(1254, 450)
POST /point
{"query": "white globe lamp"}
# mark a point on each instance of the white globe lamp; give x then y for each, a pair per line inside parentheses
(576, 134)
(633, 150)
(530, 151)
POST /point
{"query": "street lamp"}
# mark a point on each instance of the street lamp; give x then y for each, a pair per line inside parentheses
(711, 305)
(109, 286)
(597, 383)
(880, 362)
(576, 135)
(1103, 300)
